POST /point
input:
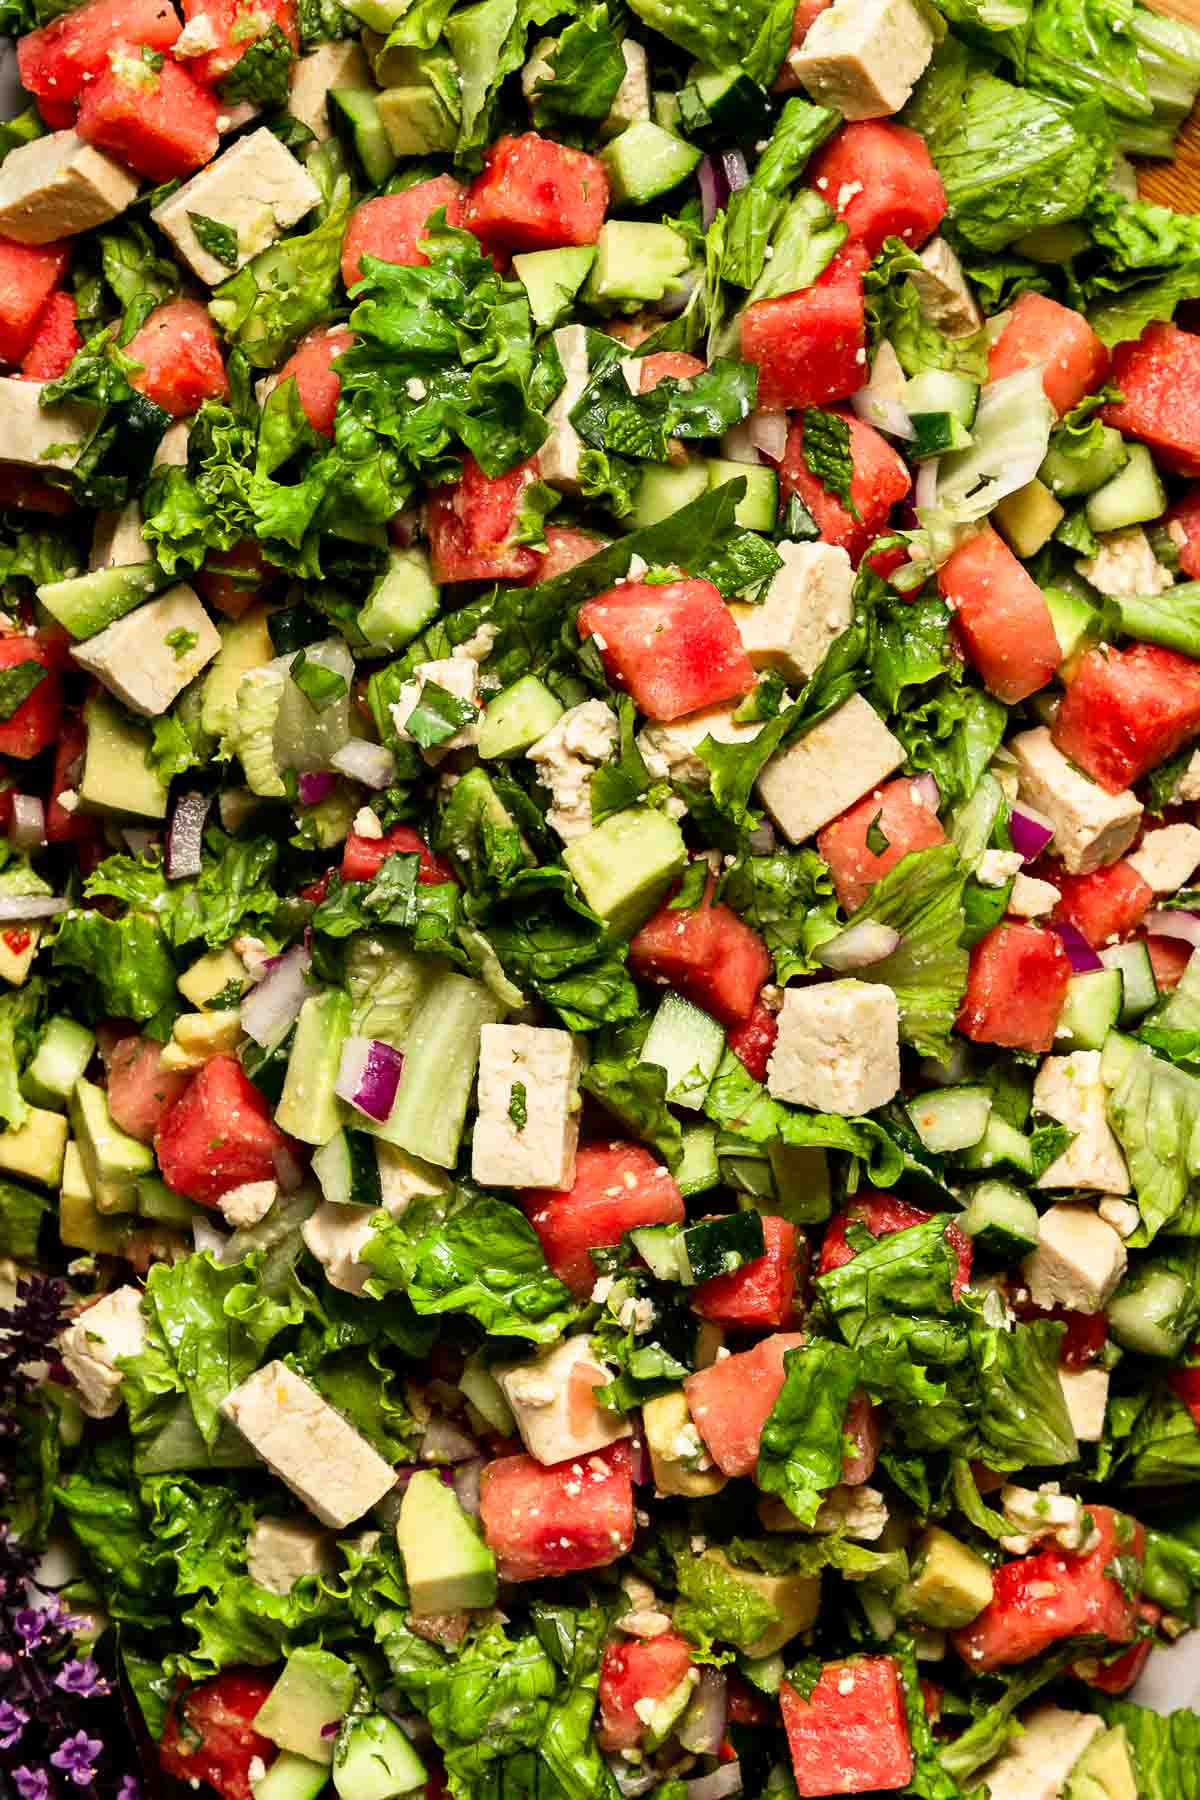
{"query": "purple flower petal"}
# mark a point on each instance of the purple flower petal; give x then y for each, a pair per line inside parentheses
(32, 1784)
(81, 1676)
(12, 1723)
(76, 1755)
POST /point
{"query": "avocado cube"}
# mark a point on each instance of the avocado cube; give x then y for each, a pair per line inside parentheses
(197, 1036)
(517, 717)
(376, 1761)
(111, 1158)
(796, 1599)
(1028, 518)
(635, 262)
(245, 644)
(86, 604)
(448, 1566)
(624, 866)
(81, 1225)
(315, 1691)
(552, 278)
(1105, 1770)
(210, 975)
(666, 1421)
(116, 778)
(37, 1149)
(950, 1584)
(416, 121)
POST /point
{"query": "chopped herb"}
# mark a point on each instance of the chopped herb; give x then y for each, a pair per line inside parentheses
(16, 685)
(826, 450)
(877, 843)
(320, 687)
(518, 1110)
(437, 716)
(262, 74)
(181, 640)
(217, 239)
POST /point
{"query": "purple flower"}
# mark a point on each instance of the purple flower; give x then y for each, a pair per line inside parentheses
(129, 1789)
(75, 1756)
(30, 1624)
(81, 1676)
(32, 1784)
(12, 1722)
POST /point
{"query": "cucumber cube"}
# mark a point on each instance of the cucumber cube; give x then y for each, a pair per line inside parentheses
(688, 1044)
(517, 717)
(646, 161)
(552, 278)
(952, 1118)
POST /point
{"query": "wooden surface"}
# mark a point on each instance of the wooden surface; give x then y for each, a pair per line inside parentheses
(1176, 183)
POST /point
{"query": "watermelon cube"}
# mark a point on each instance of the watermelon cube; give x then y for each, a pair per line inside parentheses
(1159, 379)
(363, 857)
(732, 1400)
(753, 1040)
(633, 1670)
(535, 195)
(707, 953)
(1002, 615)
(1128, 710)
(55, 340)
(901, 812)
(318, 384)
(617, 1187)
(758, 1296)
(1015, 988)
(232, 580)
(863, 1429)
(542, 1520)
(880, 480)
(391, 226)
(162, 124)
(180, 357)
(674, 647)
(883, 1215)
(879, 177)
(32, 725)
(64, 827)
(56, 60)
(1039, 330)
(209, 1737)
(23, 489)
(1104, 905)
(810, 346)
(229, 28)
(29, 274)
(1183, 523)
(472, 526)
(140, 1091)
(850, 1736)
(218, 1135)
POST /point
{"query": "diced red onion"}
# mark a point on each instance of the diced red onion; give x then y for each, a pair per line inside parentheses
(288, 1172)
(1031, 831)
(270, 1008)
(15, 907)
(316, 786)
(714, 189)
(138, 841)
(445, 1442)
(1167, 922)
(925, 492)
(369, 1075)
(717, 1786)
(881, 411)
(703, 1725)
(466, 1485)
(331, 1729)
(371, 764)
(1082, 957)
(632, 1779)
(736, 169)
(640, 1466)
(858, 946)
(404, 526)
(769, 433)
(28, 829)
(185, 835)
(738, 445)
(926, 789)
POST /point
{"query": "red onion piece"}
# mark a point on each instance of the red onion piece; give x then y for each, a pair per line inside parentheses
(28, 828)
(16, 907)
(722, 1782)
(738, 445)
(369, 1075)
(735, 169)
(288, 1172)
(1082, 957)
(316, 786)
(926, 789)
(885, 414)
(640, 1466)
(714, 189)
(769, 433)
(185, 835)
(371, 764)
(925, 493)
(445, 1442)
(858, 946)
(632, 1779)
(269, 1008)
(138, 842)
(205, 1236)
(466, 1485)
(1031, 831)
(404, 526)
(1174, 923)
(703, 1725)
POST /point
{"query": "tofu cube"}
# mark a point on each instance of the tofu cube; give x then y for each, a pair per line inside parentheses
(864, 56)
(117, 540)
(280, 1552)
(1125, 564)
(1086, 1394)
(341, 63)
(457, 675)
(308, 1446)
(404, 1178)
(172, 449)
(1068, 1089)
(528, 1124)
(257, 187)
(1031, 898)
(806, 785)
(1037, 1765)
(89, 1347)
(551, 1400)
(566, 757)
(1166, 859)
(632, 99)
(147, 658)
(807, 606)
(1078, 1262)
(944, 293)
(559, 457)
(58, 186)
(40, 437)
(1091, 827)
(335, 1234)
(669, 750)
(996, 867)
(838, 1048)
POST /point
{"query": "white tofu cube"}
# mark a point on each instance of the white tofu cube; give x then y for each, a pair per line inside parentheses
(559, 456)
(566, 758)
(1069, 1090)
(550, 1400)
(1187, 788)
(256, 187)
(335, 1234)
(806, 785)
(117, 540)
(112, 1328)
(457, 675)
(807, 606)
(341, 63)
(404, 1178)
(944, 292)
(1078, 1262)
(1037, 1764)
(1122, 1215)
(308, 1446)
(280, 1552)
(58, 186)
(528, 1124)
(147, 658)
(864, 56)
(1125, 564)
(1091, 827)
(632, 99)
(1031, 898)
(36, 436)
(1086, 1394)
(1166, 859)
(249, 1204)
(669, 751)
(838, 1048)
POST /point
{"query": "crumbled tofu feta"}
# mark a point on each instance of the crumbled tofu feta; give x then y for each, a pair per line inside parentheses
(807, 606)
(828, 769)
(1091, 827)
(147, 658)
(1167, 859)
(860, 1512)
(1187, 788)
(1078, 1262)
(90, 1346)
(552, 1401)
(998, 866)
(1031, 898)
(58, 186)
(838, 1048)
(944, 291)
(528, 1124)
(246, 1205)
(478, 646)
(256, 187)
(576, 745)
(1086, 1394)
(1068, 1089)
(632, 99)
(340, 63)
(404, 1178)
(335, 1234)
(1037, 1765)
(117, 539)
(280, 1552)
(1125, 564)
(458, 675)
(669, 751)
(36, 436)
(1121, 1215)
(559, 456)
(649, 1623)
(1044, 1515)
(197, 38)
(308, 1445)
(864, 56)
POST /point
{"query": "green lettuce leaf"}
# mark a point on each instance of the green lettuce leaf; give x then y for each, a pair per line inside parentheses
(754, 211)
(803, 1441)
(894, 312)
(1165, 1747)
(922, 899)
(953, 733)
(740, 1106)
(1154, 1110)
(1083, 48)
(714, 1605)
(788, 898)
(588, 71)
(126, 962)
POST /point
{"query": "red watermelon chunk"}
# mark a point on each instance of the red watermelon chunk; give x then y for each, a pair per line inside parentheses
(1073, 359)
(363, 857)
(732, 1400)
(55, 340)
(318, 384)
(674, 647)
(637, 1669)
(617, 1187)
(1183, 523)
(758, 1296)
(553, 1520)
(565, 549)
(1126, 711)
(707, 953)
(472, 526)
(899, 810)
(883, 1215)
(676, 364)
(180, 357)
(753, 1040)
(210, 1736)
(1169, 957)
(1016, 988)
(218, 1135)
(880, 480)
(391, 226)
(851, 1735)
(56, 60)
(879, 177)
(231, 27)
(1159, 380)
(1118, 1675)
(1003, 617)
(232, 580)
(27, 491)
(1104, 905)
(140, 1091)
(29, 274)
(32, 725)
(62, 826)
(535, 195)
(863, 1429)
(810, 346)
(162, 124)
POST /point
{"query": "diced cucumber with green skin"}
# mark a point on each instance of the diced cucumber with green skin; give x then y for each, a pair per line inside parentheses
(719, 1246)
(291, 1777)
(749, 1175)
(308, 1107)
(759, 507)
(935, 434)
(1151, 1312)
(354, 115)
(1140, 989)
(951, 1118)
(347, 1168)
(1117, 1054)
(1001, 1219)
(1133, 497)
(723, 103)
(1029, 518)
(376, 1761)
(646, 161)
(698, 1169)
(1076, 622)
(552, 278)
(803, 1192)
(666, 110)
(665, 487)
(403, 601)
(941, 391)
(517, 717)
(85, 604)
(636, 262)
(1002, 1146)
(661, 1249)
(441, 1056)
(1069, 477)
(688, 1044)
(155, 1200)
(1091, 1008)
(62, 1057)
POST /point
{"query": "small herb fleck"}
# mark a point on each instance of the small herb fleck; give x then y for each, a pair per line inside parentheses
(320, 687)
(215, 237)
(877, 843)
(437, 716)
(16, 685)
(518, 1109)
(181, 640)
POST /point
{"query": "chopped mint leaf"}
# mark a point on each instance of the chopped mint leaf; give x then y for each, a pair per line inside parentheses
(17, 683)
(216, 238)
(320, 687)
(877, 843)
(262, 74)
(181, 640)
(826, 451)
(518, 1105)
(437, 716)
